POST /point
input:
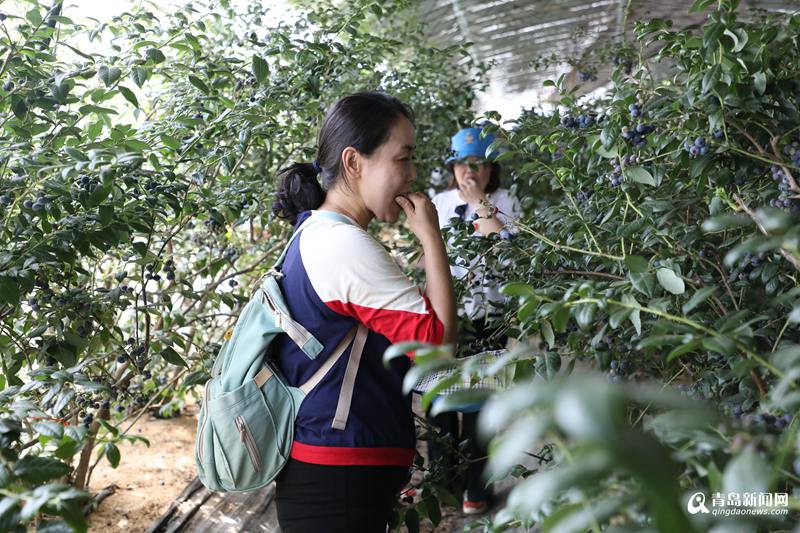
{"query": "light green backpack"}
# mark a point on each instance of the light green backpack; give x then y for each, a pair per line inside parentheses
(246, 423)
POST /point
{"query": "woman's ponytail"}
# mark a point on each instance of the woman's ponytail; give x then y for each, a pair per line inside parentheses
(299, 191)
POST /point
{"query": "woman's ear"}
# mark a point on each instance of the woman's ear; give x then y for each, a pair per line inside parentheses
(351, 163)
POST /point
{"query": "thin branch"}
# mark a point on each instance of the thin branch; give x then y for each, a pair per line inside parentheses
(786, 254)
(585, 273)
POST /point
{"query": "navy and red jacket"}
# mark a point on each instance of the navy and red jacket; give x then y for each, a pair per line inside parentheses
(336, 275)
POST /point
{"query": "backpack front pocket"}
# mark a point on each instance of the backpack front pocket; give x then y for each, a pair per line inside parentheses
(248, 434)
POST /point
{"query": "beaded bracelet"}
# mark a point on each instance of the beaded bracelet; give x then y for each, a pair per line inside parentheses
(491, 213)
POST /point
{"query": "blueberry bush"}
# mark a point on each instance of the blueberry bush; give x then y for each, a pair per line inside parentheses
(137, 159)
(659, 269)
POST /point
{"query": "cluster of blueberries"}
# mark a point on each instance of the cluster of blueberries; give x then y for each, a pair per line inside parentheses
(778, 423)
(169, 268)
(230, 253)
(150, 274)
(793, 151)
(86, 183)
(584, 196)
(46, 295)
(136, 352)
(697, 147)
(618, 370)
(583, 121)
(749, 262)
(637, 136)
(778, 174)
(41, 202)
(616, 177)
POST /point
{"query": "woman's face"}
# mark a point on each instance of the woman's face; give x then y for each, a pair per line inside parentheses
(473, 168)
(389, 171)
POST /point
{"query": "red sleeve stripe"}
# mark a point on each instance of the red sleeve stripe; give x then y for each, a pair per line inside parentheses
(397, 326)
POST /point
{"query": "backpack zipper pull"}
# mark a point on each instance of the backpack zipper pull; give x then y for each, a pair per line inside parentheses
(240, 427)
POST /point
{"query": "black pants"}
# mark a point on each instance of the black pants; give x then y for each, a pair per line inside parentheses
(337, 499)
(474, 450)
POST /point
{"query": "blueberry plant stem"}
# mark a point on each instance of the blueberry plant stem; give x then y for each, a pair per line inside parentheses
(585, 225)
(558, 246)
(674, 318)
(795, 262)
(783, 329)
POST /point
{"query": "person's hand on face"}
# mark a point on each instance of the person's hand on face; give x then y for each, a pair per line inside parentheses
(421, 214)
(472, 192)
(472, 178)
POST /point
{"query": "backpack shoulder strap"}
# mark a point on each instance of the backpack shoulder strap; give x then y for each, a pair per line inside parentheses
(358, 336)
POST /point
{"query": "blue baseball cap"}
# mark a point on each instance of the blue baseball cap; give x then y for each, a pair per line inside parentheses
(467, 143)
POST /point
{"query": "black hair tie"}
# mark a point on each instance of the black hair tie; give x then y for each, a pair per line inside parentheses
(317, 168)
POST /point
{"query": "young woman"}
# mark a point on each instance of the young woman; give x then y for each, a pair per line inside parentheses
(336, 276)
(473, 195)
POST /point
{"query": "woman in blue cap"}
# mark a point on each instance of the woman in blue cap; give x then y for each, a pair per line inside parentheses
(474, 194)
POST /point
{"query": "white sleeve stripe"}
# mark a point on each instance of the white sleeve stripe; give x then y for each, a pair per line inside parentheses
(346, 264)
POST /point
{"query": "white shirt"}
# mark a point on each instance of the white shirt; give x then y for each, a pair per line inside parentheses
(481, 291)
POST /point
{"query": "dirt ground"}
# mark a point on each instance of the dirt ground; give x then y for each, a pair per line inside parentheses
(148, 479)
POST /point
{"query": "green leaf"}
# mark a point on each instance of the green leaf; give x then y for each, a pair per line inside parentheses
(35, 469)
(760, 82)
(548, 365)
(112, 454)
(639, 175)
(99, 195)
(49, 428)
(734, 38)
(746, 472)
(171, 356)
(517, 289)
(401, 349)
(75, 154)
(412, 521)
(547, 333)
(635, 313)
(683, 349)
(34, 17)
(129, 96)
(109, 75)
(636, 264)
(697, 298)
(9, 291)
(260, 68)
(200, 84)
(90, 108)
(584, 315)
(459, 399)
(139, 76)
(700, 5)
(155, 55)
(670, 281)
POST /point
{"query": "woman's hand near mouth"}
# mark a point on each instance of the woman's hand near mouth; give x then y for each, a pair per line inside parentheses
(421, 214)
(471, 192)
